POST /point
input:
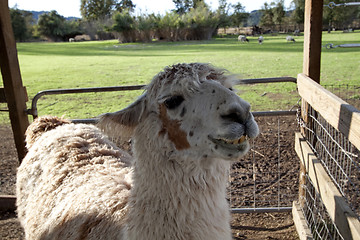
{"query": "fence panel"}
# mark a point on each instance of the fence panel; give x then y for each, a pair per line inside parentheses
(330, 154)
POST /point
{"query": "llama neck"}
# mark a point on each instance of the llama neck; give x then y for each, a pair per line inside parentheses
(170, 201)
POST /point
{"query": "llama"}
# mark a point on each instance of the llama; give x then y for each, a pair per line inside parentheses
(290, 39)
(243, 38)
(187, 128)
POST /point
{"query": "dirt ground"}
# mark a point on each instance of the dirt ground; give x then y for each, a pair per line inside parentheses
(276, 142)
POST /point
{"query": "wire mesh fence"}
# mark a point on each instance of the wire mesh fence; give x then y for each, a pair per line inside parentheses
(348, 92)
(316, 215)
(338, 156)
(268, 176)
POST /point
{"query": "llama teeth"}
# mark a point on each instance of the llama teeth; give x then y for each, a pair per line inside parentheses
(242, 139)
(234, 142)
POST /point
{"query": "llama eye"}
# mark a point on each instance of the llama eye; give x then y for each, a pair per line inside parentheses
(173, 102)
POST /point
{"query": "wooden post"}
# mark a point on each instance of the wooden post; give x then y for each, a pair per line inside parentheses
(312, 45)
(14, 90)
(311, 61)
(312, 38)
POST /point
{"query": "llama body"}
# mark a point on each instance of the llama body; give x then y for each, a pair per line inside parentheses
(243, 38)
(186, 129)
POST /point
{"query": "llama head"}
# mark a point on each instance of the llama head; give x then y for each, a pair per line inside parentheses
(189, 109)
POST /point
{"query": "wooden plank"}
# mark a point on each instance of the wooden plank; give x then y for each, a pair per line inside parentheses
(7, 203)
(302, 229)
(341, 115)
(312, 38)
(3, 96)
(16, 100)
(338, 209)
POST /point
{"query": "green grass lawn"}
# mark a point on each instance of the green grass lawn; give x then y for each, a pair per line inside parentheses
(108, 63)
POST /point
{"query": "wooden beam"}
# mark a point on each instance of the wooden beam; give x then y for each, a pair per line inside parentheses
(7, 203)
(14, 90)
(312, 46)
(302, 229)
(3, 95)
(312, 38)
(341, 115)
(338, 209)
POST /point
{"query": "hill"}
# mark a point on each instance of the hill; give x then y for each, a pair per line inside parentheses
(36, 15)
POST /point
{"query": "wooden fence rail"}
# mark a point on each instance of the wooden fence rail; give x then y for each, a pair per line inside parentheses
(346, 119)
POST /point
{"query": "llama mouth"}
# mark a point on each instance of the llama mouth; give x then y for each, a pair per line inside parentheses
(233, 144)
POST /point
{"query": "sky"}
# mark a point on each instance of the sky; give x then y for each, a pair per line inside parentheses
(71, 8)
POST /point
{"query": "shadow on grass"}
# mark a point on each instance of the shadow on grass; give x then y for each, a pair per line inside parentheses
(112, 48)
(160, 49)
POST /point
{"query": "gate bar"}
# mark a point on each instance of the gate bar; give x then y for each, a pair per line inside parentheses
(33, 111)
(261, 210)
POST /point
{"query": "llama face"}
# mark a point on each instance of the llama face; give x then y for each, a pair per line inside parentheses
(211, 122)
(190, 110)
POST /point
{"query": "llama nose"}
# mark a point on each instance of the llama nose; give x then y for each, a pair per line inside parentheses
(236, 113)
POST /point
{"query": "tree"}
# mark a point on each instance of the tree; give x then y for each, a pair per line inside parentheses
(124, 24)
(340, 16)
(100, 9)
(201, 22)
(239, 16)
(278, 13)
(56, 28)
(125, 5)
(51, 25)
(96, 9)
(223, 13)
(298, 13)
(267, 17)
(198, 3)
(182, 6)
(18, 24)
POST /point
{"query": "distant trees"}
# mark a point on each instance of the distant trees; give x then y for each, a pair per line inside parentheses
(100, 9)
(190, 20)
(297, 15)
(19, 23)
(267, 18)
(239, 15)
(279, 13)
(340, 17)
(197, 24)
(184, 6)
(56, 28)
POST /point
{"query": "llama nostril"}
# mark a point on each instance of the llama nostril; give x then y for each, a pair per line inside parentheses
(236, 114)
(233, 117)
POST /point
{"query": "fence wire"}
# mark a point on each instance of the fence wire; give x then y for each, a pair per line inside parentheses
(316, 215)
(347, 92)
(268, 177)
(338, 156)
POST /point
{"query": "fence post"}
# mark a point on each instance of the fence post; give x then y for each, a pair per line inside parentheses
(14, 90)
(311, 61)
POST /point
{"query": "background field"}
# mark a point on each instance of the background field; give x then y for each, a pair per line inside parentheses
(93, 64)
(107, 63)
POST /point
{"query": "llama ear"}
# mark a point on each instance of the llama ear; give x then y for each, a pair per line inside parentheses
(121, 124)
(129, 116)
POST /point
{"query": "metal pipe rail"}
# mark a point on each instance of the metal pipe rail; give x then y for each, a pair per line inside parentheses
(331, 5)
(255, 114)
(348, 45)
(34, 112)
(261, 210)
